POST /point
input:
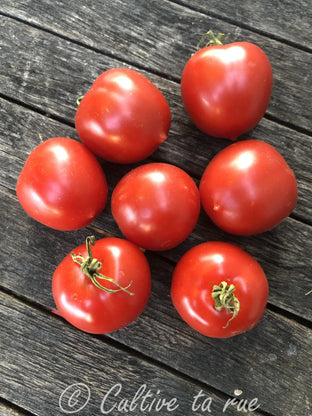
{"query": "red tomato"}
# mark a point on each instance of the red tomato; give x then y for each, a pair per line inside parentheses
(62, 185)
(226, 88)
(124, 117)
(156, 205)
(102, 289)
(248, 188)
(219, 289)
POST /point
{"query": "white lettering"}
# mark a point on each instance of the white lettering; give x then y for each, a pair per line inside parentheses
(74, 398)
(229, 402)
(144, 401)
(137, 396)
(205, 406)
(242, 405)
(172, 405)
(144, 406)
(195, 407)
(253, 402)
(123, 405)
(117, 386)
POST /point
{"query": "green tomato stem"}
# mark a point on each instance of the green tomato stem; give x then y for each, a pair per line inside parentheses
(79, 99)
(224, 298)
(91, 266)
(213, 41)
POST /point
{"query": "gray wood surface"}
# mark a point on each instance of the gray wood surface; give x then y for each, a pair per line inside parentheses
(31, 350)
(288, 272)
(283, 351)
(163, 50)
(6, 409)
(51, 86)
(287, 20)
(51, 52)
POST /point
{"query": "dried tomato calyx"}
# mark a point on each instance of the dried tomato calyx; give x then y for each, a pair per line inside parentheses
(213, 41)
(79, 99)
(91, 266)
(224, 297)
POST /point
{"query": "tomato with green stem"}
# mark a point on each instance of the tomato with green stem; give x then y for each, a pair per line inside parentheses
(226, 89)
(219, 289)
(104, 288)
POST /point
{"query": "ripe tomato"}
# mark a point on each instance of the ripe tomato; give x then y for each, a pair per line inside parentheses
(62, 185)
(219, 289)
(123, 118)
(156, 205)
(226, 88)
(102, 289)
(248, 188)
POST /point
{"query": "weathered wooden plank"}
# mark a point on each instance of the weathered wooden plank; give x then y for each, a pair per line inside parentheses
(36, 82)
(276, 349)
(7, 410)
(181, 147)
(289, 20)
(283, 252)
(59, 98)
(46, 67)
(44, 362)
(161, 40)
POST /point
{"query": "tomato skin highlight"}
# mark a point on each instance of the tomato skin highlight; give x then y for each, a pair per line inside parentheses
(62, 185)
(206, 265)
(156, 205)
(248, 188)
(91, 309)
(124, 117)
(226, 89)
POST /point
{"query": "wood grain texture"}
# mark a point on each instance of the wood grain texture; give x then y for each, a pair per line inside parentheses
(38, 363)
(160, 334)
(7, 410)
(50, 86)
(51, 52)
(288, 272)
(270, 18)
(138, 45)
